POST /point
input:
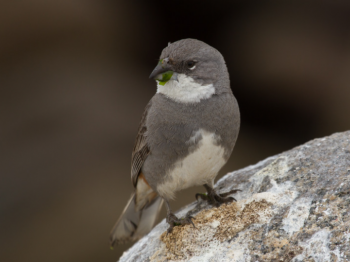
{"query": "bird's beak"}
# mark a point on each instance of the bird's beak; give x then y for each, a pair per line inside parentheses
(163, 72)
(158, 71)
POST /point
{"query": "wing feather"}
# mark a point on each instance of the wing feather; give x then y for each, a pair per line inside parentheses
(141, 149)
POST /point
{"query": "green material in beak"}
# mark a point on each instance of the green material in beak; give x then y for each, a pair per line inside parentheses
(164, 77)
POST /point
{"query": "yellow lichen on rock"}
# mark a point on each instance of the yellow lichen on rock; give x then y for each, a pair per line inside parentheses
(216, 224)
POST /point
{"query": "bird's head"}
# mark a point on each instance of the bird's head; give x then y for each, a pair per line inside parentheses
(190, 64)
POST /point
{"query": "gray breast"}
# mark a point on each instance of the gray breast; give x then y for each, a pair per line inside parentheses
(170, 125)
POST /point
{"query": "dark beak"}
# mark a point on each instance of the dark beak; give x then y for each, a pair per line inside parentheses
(160, 68)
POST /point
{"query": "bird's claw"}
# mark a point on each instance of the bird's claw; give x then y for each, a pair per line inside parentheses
(175, 221)
(217, 199)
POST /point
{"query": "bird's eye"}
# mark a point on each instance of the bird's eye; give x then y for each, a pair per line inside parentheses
(191, 65)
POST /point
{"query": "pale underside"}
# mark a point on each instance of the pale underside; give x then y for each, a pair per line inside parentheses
(144, 194)
(185, 90)
(198, 168)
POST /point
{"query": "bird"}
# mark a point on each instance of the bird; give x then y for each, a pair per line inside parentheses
(187, 133)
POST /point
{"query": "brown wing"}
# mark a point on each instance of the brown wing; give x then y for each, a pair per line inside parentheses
(141, 149)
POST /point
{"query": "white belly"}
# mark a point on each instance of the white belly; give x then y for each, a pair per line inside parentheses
(198, 168)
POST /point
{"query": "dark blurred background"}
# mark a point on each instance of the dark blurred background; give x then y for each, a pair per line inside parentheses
(74, 83)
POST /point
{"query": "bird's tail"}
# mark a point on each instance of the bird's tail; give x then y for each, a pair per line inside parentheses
(135, 222)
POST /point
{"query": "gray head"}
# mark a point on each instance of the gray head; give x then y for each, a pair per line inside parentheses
(194, 59)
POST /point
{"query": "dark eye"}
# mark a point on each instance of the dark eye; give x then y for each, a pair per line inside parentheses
(191, 65)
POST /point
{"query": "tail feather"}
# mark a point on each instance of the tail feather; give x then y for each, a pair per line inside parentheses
(133, 224)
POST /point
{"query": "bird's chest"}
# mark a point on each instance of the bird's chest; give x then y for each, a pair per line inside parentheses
(200, 166)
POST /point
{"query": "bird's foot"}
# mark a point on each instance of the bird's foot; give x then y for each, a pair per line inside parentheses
(173, 221)
(217, 199)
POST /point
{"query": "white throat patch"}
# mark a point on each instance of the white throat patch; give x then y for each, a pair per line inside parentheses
(186, 90)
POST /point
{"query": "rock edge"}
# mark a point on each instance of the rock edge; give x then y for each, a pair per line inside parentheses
(294, 206)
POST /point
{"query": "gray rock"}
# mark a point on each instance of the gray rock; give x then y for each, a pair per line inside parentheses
(293, 207)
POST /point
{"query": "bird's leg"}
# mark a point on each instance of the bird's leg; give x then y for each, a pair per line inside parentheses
(216, 199)
(172, 220)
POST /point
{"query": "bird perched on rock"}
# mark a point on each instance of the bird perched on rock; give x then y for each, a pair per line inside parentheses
(187, 133)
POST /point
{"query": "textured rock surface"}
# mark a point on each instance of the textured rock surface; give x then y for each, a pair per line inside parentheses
(293, 207)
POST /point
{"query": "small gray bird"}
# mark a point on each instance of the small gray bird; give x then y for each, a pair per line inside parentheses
(186, 135)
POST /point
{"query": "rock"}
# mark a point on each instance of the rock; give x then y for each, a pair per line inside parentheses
(293, 207)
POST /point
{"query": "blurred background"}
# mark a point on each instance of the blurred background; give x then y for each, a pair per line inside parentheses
(74, 83)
